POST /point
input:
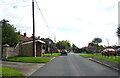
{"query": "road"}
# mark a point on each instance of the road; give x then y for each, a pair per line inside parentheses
(74, 65)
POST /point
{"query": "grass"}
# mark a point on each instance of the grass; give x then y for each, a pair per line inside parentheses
(5, 71)
(28, 59)
(111, 58)
(51, 55)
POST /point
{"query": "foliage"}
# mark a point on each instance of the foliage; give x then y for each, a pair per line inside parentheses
(97, 40)
(93, 46)
(112, 58)
(100, 47)
(75, 48)
(9, 34)
(49, 43)
(0, 34)
(9, 72)
(28, 59)
(118, 31)
(64, 44)
(83, 49)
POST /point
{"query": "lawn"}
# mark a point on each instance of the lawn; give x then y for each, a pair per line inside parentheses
(28, 59)
(51, 55)
(111, 58)
(4, 71)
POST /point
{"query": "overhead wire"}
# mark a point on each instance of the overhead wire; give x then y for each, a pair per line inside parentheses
(43, 17)
(25, 13)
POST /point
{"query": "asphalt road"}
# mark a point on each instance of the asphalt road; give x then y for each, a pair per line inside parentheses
(74, 65)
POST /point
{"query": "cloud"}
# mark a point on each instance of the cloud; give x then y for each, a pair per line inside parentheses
(78, 21)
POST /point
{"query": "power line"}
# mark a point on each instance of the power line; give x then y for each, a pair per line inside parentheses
(25, 14)
(43, 17)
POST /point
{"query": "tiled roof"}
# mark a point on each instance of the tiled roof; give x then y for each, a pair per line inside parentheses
(25, 38)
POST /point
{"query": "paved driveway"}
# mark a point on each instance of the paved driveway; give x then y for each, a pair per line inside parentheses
(25, 68)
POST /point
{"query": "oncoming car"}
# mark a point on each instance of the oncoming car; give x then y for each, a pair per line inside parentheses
(64, 52)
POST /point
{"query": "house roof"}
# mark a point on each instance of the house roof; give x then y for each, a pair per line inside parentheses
(32, 42)
(25, 38)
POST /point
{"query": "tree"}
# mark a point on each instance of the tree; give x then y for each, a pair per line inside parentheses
(97, 40)
(0, 34)
(74, 47)
(118, 31)
(9, 34)
(64, 44)
(49, 43)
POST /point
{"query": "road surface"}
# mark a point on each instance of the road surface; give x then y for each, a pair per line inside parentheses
(74, 65)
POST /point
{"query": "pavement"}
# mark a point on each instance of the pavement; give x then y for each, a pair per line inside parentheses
(109, 64)
(26, 68)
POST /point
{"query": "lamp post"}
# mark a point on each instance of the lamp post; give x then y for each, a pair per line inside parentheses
(107, 41)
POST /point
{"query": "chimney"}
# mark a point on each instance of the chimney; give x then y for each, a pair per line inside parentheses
(25, 34)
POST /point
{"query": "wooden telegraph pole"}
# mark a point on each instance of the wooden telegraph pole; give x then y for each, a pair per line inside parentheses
(33, 28)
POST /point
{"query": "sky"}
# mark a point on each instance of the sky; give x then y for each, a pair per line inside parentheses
(78, 21)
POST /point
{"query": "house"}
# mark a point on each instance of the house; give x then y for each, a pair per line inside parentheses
(27, 46)
(91, 47)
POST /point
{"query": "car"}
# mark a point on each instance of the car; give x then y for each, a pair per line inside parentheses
(63, 52)
(105, 52)
(109, 52)
(57, 51)
(118, 51)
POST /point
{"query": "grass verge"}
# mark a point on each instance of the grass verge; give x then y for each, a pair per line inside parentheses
(28, 59)
(111, 58)
(51, 55)
(5, 71)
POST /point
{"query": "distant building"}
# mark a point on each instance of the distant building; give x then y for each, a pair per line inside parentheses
(91, 47)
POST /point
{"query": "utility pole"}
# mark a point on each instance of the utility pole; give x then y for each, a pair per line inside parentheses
(107, 41)
(33, 28)
(55, 39)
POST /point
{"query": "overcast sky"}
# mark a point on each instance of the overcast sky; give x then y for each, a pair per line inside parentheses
(79, 21)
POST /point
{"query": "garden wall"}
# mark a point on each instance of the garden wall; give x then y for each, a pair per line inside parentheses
(10, 51)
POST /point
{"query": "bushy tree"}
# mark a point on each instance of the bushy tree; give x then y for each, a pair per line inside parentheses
(97, 40)
(74, 47)
(49, 43)
(64, 44)
(9, 34)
